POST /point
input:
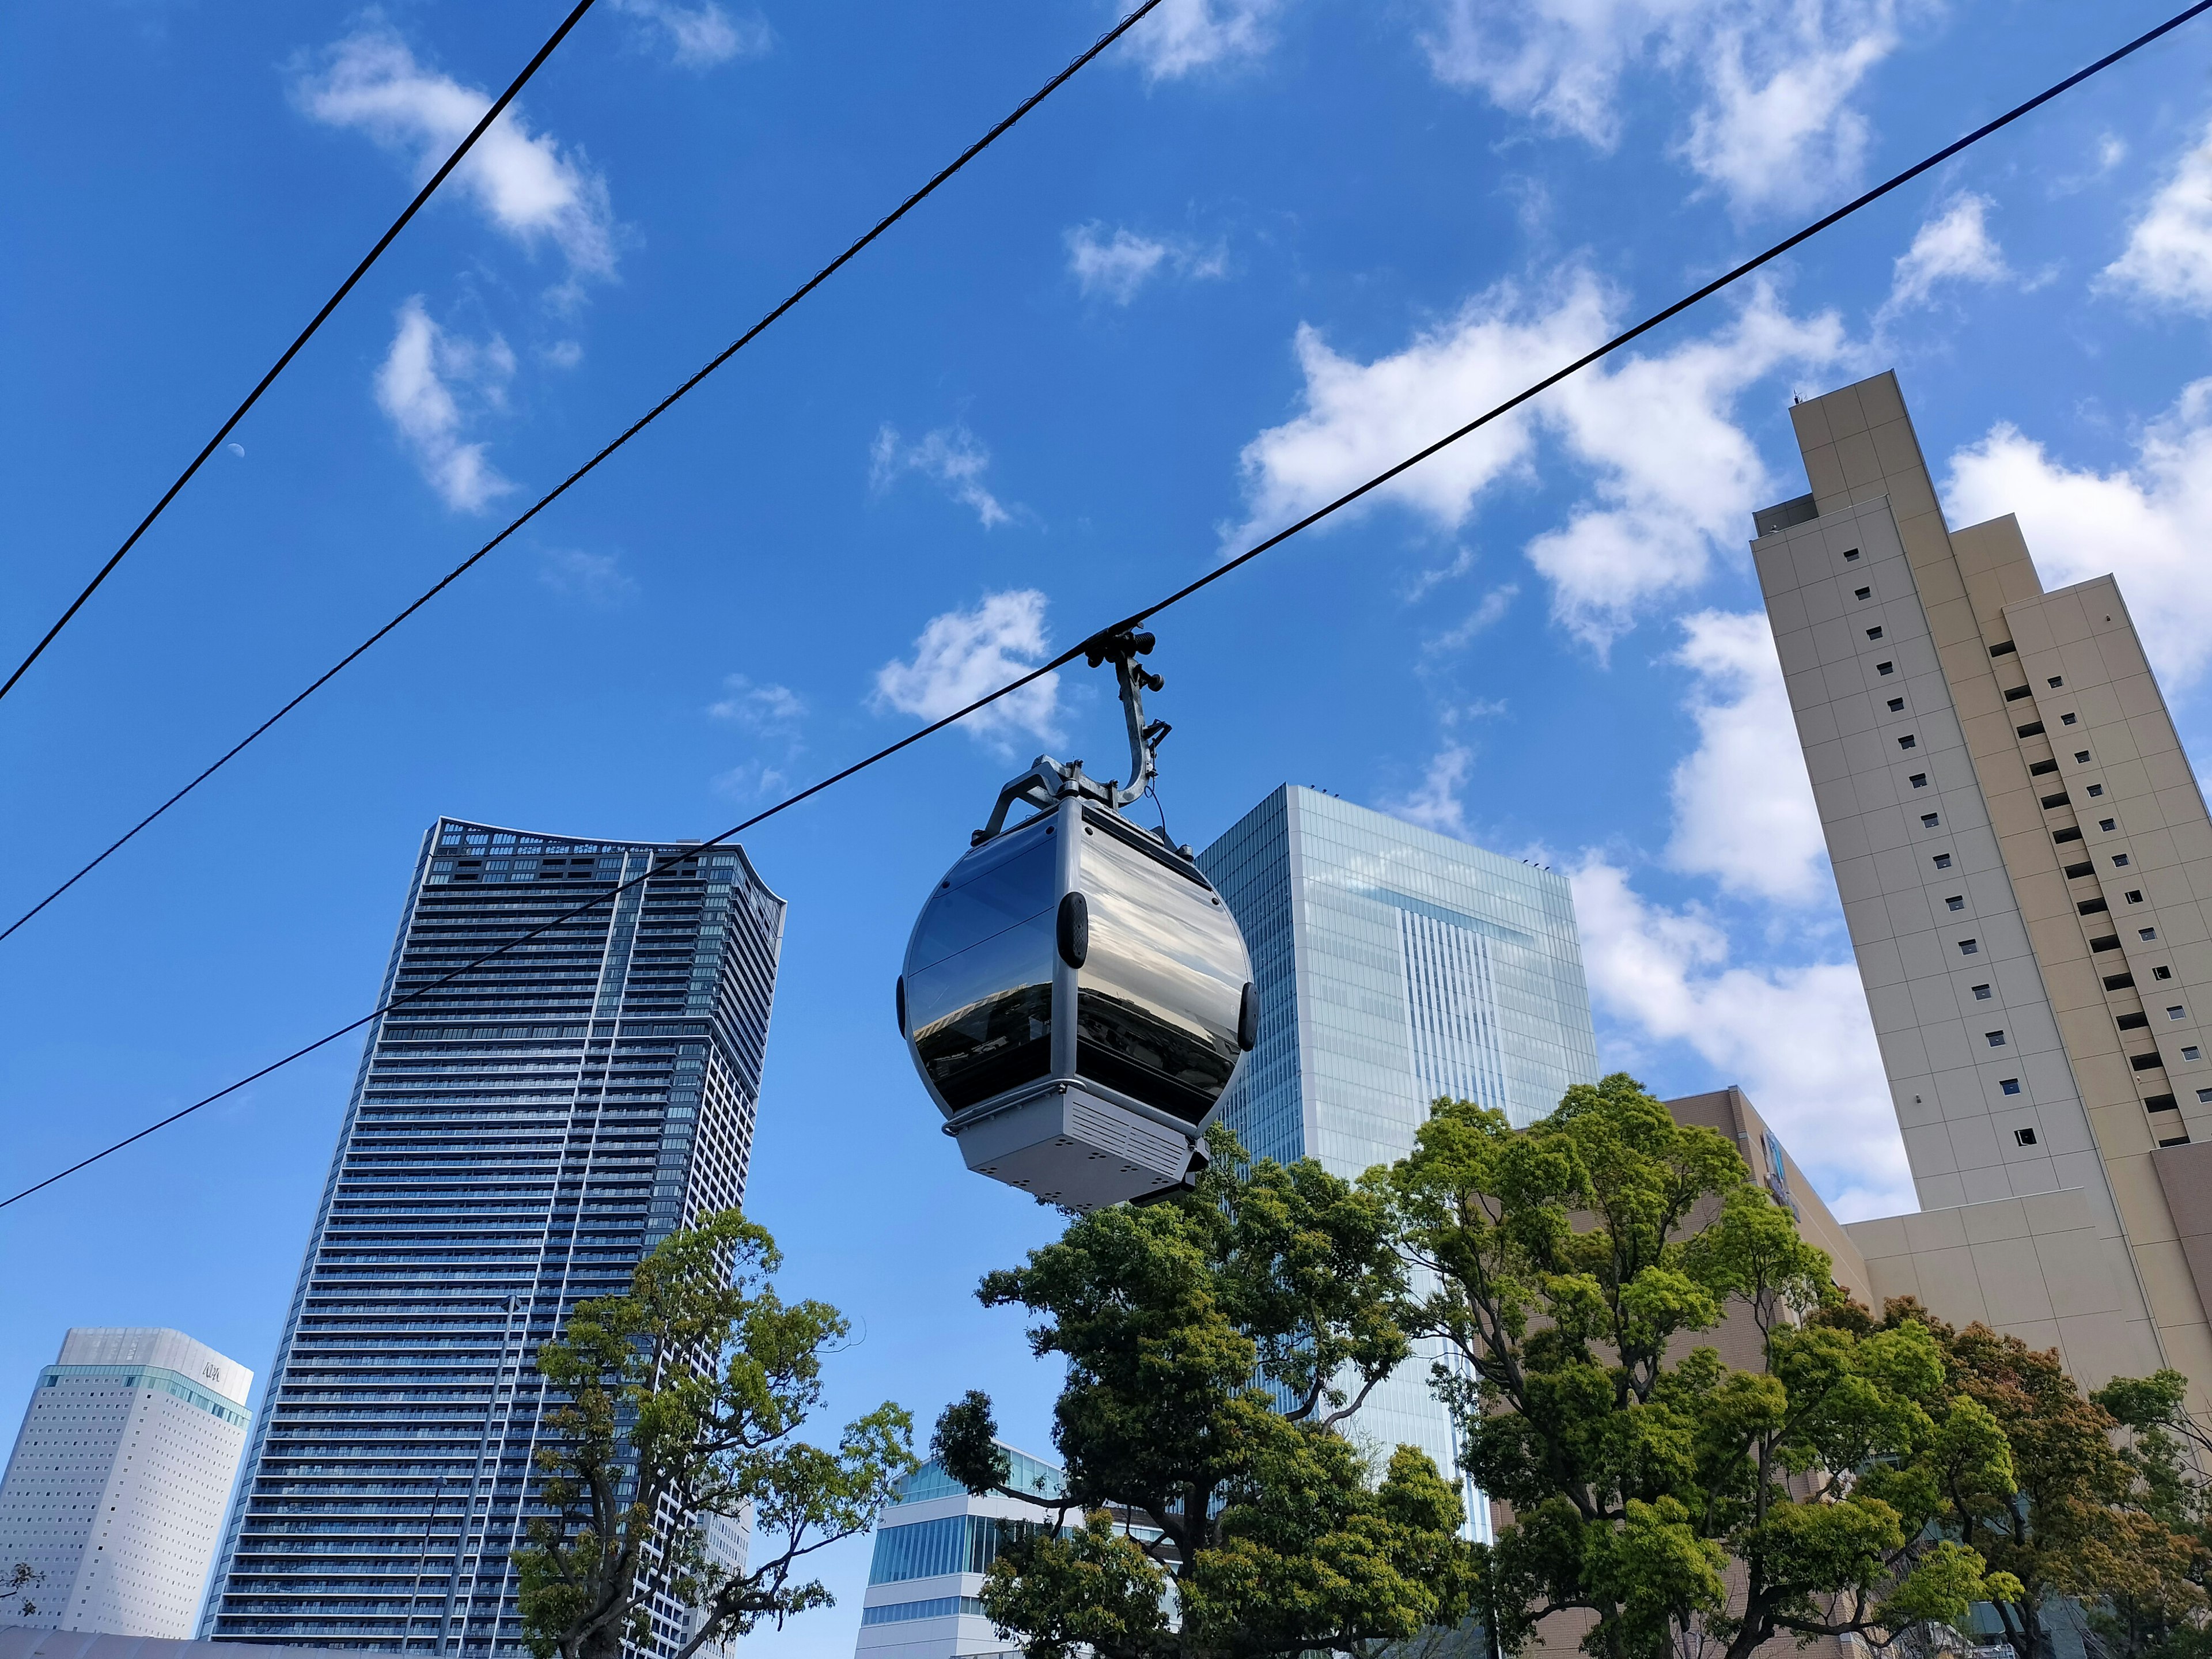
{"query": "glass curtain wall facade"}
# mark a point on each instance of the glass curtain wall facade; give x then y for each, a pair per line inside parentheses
(935, 1542)
(517, 1138)
(1394, 965)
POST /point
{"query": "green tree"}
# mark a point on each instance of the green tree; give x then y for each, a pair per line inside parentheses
(2157, 1574)
(1673, 1500)
(1214, 1340)
(684, 1396)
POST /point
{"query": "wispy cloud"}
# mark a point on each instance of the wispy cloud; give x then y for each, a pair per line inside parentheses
(1955, 245)
(963, 654)
(1115, 267)
(1185, 35)
(526, 185)
(704, 35)
(770, 709)
(597, 579)
(420, 387)
(1775, 125)
(1491, 609)
(1436, 804)
(951, 457)
(775, 716)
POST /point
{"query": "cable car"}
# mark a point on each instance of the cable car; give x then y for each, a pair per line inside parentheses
(1076, 996)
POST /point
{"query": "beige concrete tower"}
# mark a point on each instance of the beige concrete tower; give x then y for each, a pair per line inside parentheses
(2024, 858)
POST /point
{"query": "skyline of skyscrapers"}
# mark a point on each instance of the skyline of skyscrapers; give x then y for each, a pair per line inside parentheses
(115, 1489)
(517, 1138)
(1394, 965)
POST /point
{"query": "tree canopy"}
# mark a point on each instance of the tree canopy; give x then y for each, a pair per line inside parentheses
(1574, 1264)
(1214, 1341)
(684, 1397)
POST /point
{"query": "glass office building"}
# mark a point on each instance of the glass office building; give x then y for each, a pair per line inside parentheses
(518, 1136)
(935, 1541)
(1395, 966)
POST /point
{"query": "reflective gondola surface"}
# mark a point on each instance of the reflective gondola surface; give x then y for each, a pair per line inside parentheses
(1076, 996)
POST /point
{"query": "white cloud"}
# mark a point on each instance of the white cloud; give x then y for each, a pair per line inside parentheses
(562, 354)
(526, 185)
(1798, 1039)
(596, 578)
(952, 456)
(1183, 35)
(1954, 246)
(1743, 807)
(751, 780)
(963, 655)
(1674, 476)
(2168, 258)
(703, 35)
(1773, 126)
(1462, 561)
(1115, 267)
(772, 710)
(1437, 804)
(2144, 523)
(1491, 609)
(416, 388)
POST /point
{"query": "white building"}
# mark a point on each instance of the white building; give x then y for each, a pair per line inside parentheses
(117, 1487)
(933, 1544)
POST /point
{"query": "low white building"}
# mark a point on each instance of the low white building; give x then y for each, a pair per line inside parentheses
(116, 1490)
(933, 1544)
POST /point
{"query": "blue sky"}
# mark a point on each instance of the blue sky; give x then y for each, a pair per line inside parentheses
(1262, 247)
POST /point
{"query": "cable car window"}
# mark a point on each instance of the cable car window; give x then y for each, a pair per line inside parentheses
(978, 972)
(1004, 882)
(1157, 996)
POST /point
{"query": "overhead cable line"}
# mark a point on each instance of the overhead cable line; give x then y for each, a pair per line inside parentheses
(1182, 593)
(306, 334)
(628, 432)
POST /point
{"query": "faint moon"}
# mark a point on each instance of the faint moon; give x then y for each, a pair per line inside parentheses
(238, 450)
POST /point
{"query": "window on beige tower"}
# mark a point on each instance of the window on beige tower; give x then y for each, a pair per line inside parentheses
(1968, 947)
(2057, 680)
(2011, 1086)
(1981, 993)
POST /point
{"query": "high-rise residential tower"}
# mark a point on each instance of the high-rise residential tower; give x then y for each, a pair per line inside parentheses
(517, 1138)
(115, 1491)
(1394, 965)
(2023, 855)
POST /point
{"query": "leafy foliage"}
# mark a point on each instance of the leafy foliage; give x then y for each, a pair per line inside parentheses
(1222, 1520)
(684, 1397)
(2118, 1526)
(1574, 1261)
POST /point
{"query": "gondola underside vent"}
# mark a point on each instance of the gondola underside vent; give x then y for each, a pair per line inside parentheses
(1066, 1145)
